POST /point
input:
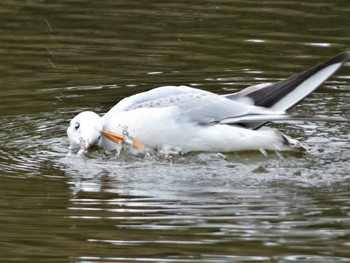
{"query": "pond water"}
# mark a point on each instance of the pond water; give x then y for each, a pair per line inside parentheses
(62, 57)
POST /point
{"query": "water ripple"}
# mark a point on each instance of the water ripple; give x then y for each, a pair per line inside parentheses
(63, 57)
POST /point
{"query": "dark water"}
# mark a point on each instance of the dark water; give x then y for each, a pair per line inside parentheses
(62, 57)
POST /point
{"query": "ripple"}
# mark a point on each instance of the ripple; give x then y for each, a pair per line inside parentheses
(30, 143)
(62, 57)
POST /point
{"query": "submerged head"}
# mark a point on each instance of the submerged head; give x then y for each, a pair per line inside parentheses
(84, 130)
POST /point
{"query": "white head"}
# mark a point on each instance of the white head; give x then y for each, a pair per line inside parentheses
(84, 130)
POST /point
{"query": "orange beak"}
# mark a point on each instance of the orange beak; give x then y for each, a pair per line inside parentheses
(114, 137)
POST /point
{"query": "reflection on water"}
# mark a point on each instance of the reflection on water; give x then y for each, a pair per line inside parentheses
(62, 58)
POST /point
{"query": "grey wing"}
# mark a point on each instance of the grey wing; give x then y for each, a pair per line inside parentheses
(157, 97)
(197, 106)
(209, 108)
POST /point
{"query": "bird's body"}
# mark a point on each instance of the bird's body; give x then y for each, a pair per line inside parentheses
(190, 119)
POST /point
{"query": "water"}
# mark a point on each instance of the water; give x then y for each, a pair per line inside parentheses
(60, 58)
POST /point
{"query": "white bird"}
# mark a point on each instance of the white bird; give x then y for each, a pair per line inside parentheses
(192, 120)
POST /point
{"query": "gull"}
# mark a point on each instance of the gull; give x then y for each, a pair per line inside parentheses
(194, 120)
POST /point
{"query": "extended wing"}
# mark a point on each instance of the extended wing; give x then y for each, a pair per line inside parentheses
(287, 93)
(238, 108)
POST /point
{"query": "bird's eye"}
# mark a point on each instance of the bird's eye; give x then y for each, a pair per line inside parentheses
(76, 125)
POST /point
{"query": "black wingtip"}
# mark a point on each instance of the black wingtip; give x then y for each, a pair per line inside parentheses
(268, 96)
(340, 58)
(272, 94)
(345, 55)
